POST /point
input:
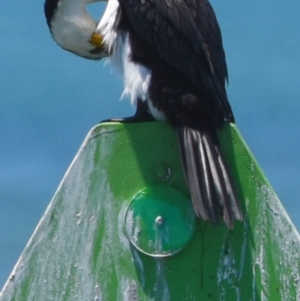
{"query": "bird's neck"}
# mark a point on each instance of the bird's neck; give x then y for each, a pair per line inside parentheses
(72, 14)
(72, 26)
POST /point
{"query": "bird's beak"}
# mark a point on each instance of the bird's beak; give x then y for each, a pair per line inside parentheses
(96, 40)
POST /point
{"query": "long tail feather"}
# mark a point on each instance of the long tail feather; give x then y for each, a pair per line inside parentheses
(209, 181)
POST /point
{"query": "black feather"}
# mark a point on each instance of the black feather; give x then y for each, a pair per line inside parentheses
(50, 8)
(194, 47)
(207, 176)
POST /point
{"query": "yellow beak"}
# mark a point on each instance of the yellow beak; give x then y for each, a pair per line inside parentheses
(96, 40)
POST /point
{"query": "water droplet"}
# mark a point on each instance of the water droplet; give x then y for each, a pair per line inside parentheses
(159, 220)
(162, 172)
(12, 277)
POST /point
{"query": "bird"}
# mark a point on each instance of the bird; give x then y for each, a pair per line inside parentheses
(73, 28)
(170, 54)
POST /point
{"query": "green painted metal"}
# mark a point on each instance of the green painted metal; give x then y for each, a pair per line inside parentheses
(80, 249)
(160, 221)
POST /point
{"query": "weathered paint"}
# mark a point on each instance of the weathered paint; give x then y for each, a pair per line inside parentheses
(80, 251)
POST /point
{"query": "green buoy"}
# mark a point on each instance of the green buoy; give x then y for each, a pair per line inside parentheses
(120, 228)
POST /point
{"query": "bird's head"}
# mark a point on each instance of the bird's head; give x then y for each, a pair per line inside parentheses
(73, 28)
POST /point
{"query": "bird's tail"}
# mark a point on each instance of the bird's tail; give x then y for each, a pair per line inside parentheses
(208, 178)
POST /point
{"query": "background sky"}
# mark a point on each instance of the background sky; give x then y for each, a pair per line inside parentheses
(49, 99)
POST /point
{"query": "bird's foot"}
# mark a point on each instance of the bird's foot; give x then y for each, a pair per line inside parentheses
(141, 115)
(134, 118)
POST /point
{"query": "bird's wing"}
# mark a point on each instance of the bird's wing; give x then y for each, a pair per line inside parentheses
(186, 35)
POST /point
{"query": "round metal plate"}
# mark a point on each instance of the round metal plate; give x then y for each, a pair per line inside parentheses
(160, 221)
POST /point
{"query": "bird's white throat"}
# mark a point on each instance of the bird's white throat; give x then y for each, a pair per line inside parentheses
(72, 27)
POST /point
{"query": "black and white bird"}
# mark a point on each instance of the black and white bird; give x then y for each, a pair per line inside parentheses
(171, 56)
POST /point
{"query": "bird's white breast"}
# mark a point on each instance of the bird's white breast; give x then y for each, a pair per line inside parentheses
(136, 76)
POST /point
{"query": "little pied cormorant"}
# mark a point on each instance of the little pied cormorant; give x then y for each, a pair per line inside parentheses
(171, 56)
